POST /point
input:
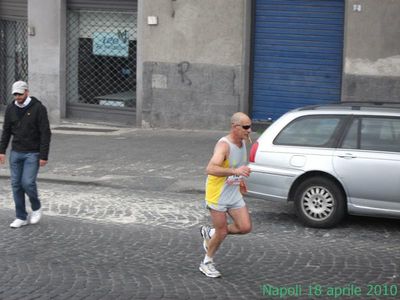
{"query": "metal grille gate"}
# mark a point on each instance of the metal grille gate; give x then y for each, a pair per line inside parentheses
(101, 58)
(13, 56)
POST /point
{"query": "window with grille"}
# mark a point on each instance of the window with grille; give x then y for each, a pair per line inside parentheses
(13, 56)
(101, 58)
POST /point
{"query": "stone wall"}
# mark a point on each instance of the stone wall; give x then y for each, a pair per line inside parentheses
(372, 51)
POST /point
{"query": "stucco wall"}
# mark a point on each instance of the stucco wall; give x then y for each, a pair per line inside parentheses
(372, 51)
(192, 62)
(46, 46)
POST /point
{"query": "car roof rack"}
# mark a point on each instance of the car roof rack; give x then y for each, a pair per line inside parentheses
(369, 103)
(353, 105)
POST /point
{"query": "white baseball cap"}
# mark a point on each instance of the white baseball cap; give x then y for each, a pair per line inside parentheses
(19, 87)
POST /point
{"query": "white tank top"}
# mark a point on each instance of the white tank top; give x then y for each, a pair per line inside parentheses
(221, 190)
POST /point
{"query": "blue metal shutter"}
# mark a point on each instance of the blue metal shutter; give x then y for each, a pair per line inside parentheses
(298, 48)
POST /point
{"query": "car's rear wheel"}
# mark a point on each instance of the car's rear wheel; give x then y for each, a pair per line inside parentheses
(319, 202)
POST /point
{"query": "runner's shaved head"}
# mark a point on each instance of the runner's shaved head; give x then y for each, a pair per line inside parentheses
(238, 117)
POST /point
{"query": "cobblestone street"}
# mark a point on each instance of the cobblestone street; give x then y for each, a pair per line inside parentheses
(107, 243)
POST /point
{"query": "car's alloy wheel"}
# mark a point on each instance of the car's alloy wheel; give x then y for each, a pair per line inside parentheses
(319, 202)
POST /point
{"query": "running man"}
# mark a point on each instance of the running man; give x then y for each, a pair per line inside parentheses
(225, 185)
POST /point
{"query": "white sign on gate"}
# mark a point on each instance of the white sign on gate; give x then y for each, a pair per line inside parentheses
(111, 44)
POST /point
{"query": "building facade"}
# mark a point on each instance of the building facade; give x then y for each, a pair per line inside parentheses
(191, 64)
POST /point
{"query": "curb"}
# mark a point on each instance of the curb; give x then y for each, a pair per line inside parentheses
(180, 186)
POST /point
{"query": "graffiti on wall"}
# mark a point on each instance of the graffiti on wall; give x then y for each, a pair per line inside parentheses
(183, 68)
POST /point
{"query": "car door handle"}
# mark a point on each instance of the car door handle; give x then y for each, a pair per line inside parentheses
(347, 156)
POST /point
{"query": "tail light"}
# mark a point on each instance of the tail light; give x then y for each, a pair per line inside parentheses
(253, 152)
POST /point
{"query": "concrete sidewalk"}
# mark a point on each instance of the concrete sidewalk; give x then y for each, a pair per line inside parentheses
(148, 159)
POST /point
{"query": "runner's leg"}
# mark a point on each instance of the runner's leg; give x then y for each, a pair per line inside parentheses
(219, 220)
(241, 221)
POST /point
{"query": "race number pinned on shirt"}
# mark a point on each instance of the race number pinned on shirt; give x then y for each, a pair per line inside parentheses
(234, 180)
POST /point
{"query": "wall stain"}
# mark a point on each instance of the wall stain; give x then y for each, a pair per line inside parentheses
(183, 68)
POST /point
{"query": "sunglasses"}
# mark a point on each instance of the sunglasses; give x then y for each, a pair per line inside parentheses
(245, 127)
(17, 94)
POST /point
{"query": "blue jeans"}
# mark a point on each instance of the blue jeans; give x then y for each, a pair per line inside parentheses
(24, 167)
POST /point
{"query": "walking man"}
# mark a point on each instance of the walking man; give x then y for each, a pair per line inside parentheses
(26, 121)
(225, 185)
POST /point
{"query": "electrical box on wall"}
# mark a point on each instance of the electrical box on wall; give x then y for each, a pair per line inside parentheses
(357, 7)
(152, 20)
(31, 30)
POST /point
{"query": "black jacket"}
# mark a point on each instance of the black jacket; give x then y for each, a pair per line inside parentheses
(31, 132)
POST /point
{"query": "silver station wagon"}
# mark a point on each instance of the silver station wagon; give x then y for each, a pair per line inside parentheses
(331, 160)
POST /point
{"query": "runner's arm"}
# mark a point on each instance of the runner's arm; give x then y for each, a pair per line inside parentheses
(215, 167)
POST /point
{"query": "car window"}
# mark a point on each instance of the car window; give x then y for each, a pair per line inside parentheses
(351, 140)
(374, 133)
(313, 131)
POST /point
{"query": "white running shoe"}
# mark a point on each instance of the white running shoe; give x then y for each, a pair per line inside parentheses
(36, 216)
(205, 233)
(17, 223)
(209, 269)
